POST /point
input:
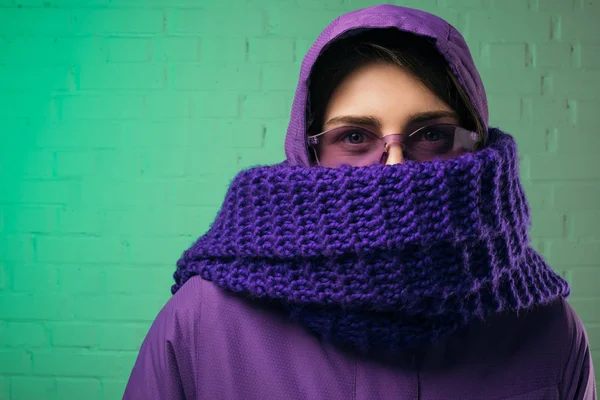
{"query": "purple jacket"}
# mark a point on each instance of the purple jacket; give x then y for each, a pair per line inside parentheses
(208, 344)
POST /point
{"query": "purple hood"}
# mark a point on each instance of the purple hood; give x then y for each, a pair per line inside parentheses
(448, 41)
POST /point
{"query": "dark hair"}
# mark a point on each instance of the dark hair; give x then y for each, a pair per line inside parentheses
(414, 53)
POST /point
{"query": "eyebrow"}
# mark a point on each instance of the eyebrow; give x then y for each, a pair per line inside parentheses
(370, 120)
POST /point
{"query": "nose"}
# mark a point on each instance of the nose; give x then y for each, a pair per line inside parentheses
(393, 148)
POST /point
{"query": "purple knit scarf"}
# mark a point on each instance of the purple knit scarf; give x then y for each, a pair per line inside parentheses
(380, 258)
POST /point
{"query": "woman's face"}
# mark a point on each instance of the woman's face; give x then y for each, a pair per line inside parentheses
(385, 99)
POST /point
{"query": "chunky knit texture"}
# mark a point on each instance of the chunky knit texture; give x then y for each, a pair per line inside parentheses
(380, 258)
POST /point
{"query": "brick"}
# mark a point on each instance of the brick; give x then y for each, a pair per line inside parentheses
(580, 26)
(29, 105)
(102, 192)
(169, 105)
(133, 220)
(540, 195)
(578, 141)
(35, 278)
(67, 134)
(129, 50)
(218, 49)
(504, 5)
(34, 22)
(104, 336)
(586, 309)
(162, 164)
(78, 220)
(530, 137)
(302, 46)
(3, 276)
(26, 334)
(4, 388)
(118, 164)
(145, 133)
(208, 164)
(145, 280)
(13, 128)
(500, 80)
(586, 114)
(79, 249)
(119, 307)
(73, 334)
(23, 219)
(237, 134)
(187, 4)
(547, 224)
(553, 167)
(70, 164)
(106, 106)
(586, 198)
(576, 84)
(322, 4)
(241, 22)
(553, 55)
(593, 331)
(184, 49)
(590, 56)
(215, 104)
(33, 388)
(584, 281)
(126, 337)
(485, 25)
(51, 51)
(187, 193)
(44, 192)
(267, 105)
(20, 307)
(504, 108)
(585, 224)
(172, 221)
(34, 164)
(299, 23)
(80, 363)
(158, 251)
(511, 56)
(114, 389)
(262, 50)
(591, 6)
(280, 77)
(216, 76)
(558, 6)
(98, 21)
(275, 131)
(550, 110)
(16, 248)
(15, 362)
(123, 76)
(36, 78)
(257, 157)
(61, 3)
(72, 388)
(568, 252)
(81, 278)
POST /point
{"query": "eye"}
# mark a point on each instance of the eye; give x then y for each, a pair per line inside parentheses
(355, 137)
(431, 135)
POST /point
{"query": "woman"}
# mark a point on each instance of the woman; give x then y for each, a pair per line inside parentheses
(386, 258)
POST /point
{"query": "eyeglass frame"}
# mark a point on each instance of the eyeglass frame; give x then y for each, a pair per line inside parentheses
(313, 140)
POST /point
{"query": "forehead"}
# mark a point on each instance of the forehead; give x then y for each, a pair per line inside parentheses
(386, 91)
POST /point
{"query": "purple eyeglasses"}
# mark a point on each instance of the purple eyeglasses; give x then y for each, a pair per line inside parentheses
(358, 146)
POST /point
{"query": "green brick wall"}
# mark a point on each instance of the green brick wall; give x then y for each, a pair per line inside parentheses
(123, 121)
